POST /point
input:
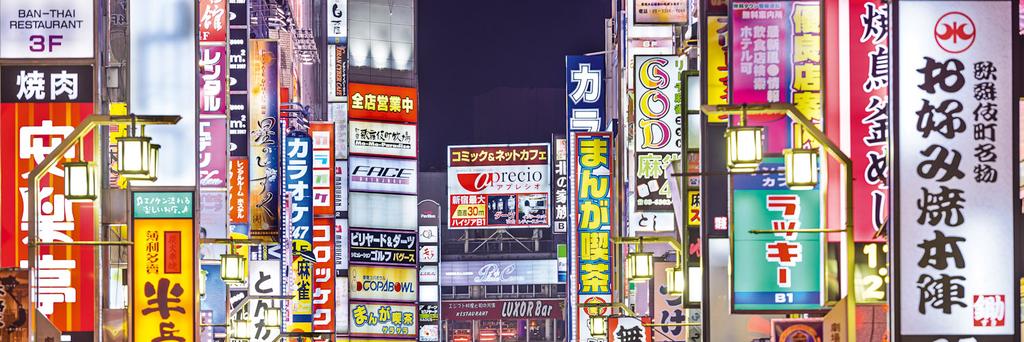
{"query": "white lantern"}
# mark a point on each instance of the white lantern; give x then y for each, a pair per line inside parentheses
(79, 181)
(640, 267)
(241, 329)
(272, 317)
(801, 168)
(133, 157)
(202, 283)
(598, 326)
(154, 156)
(676, 281)
(231, 268)
(744, 147)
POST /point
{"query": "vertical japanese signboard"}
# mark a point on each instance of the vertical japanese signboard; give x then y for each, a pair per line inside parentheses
(298, 157)
(498, 186)
(163, 266)
(264, 183)
(775, 55)
(584, 91)
(717, 73)
(955, 180)
(869, 115)
(323, 274)
(322, 134)
(775, 271)
(12, 296)
(658, 139)
(238, 112)
(212, 152)
(560, 186)
(592, 170)
(264, 280)
(33, 29)
(39, 107)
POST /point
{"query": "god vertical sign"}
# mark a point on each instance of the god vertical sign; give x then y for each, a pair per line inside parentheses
(955, 204)
(163, 265)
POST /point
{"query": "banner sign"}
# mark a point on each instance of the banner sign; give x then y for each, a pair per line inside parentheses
(323, 274)
(667, 309)
(213, 90)
(238, 191)
(298, 192)
(337, 75)
(238, 77)
(383, 211)
(163, 289)
(383, 320)
(264, 280)
(498, 186)
(627, 329)
(382, 175)
(469, 310)
(382, 139)
(717, 79)
(499, 272)
(775, 272)
(592, 197)
(584, 93)
(869, 116)
(382, 283)
(34, 29)
(36, 116)
(660, 12)
(13, 296)
(786, 67)
(956, 173)
(213, 154)
(369, 246)
(560, 186)
(382, 103)
(337, 21)
(322, 134)
(658, 108)
(340, 188)
(264, 184)
(46, 84)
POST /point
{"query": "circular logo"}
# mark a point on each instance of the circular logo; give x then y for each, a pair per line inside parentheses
(955, 32)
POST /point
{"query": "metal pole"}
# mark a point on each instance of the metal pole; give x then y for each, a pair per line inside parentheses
(32, 207)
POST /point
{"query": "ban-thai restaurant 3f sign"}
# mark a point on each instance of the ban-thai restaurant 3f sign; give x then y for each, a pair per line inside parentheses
(956, 206)
(163, 266)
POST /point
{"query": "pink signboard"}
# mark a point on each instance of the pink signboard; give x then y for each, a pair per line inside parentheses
(213, 154)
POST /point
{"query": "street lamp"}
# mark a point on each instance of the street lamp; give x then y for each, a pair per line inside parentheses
(241, 329)
(154, 154)
(598, 325)
(801, 168)
(272, 317)
(744, 147)
(640, 266)
(79, 181)
(676, 280)
(231, 266)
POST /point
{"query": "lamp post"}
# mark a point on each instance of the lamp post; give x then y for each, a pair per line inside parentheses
(32, 207)
(843, 159)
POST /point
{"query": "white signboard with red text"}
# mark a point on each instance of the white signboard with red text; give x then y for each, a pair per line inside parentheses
(498, 186)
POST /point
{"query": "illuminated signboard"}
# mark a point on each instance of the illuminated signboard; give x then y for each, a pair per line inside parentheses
(384, 211)
(592, 196)
(383, 103)
(382, 283)
(34, 29)
(382, 139)
(382, 175)
(387, 247)
(955, 184)
(383, 320)
(499, 272)
(498, 186)
(163, 297)
(264, 141)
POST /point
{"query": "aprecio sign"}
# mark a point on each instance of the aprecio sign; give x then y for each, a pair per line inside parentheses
(498, 186)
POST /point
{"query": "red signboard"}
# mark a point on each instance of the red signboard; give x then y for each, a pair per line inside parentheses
(383, 103)
(323, 275)
(469, 310)
(213, 23)
(238, 191)
(323, 168)
(869, 116)
(28, 133)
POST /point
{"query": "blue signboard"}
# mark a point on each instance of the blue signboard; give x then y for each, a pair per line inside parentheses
(584, 93)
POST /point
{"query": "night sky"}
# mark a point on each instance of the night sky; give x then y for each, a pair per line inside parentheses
(494, 71)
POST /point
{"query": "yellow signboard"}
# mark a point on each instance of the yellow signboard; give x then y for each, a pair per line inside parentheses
(163, 290)
(718, 67)
(693, 208)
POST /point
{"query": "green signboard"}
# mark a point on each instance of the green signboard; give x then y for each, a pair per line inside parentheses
(154, 204)
(775, 271)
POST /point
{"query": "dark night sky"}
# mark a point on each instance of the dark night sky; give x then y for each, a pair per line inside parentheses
(494, 71)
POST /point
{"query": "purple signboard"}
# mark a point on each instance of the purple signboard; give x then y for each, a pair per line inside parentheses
(213, 70)
(213, 154)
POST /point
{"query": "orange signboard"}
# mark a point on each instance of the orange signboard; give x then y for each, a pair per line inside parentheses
(383, 103)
